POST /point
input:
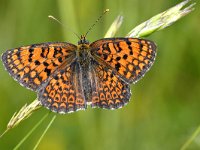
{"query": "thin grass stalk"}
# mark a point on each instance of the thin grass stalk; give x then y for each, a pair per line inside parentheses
(45, 131)
(30, 132)
(191, 139)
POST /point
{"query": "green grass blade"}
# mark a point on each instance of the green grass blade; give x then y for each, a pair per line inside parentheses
(45, 131)
(191, 139)
(30, 132)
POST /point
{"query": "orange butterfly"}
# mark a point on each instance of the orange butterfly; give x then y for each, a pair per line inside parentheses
(67, 77)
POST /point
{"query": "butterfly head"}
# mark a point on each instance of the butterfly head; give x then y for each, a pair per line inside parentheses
(83, 40)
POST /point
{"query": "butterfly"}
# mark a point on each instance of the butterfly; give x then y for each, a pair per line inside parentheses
(68, 78)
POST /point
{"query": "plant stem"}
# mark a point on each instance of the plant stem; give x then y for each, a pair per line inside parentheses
(50, 123)
(191, 139)
(30, 132)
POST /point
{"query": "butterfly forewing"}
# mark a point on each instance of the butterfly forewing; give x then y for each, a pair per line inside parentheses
(32, 65)
(130, 58)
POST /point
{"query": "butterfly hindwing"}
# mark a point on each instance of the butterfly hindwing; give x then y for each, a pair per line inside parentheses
(108, 90)
(63, 93)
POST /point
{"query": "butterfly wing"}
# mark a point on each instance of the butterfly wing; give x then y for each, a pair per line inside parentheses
(32, 65)
(63, 92)
(108, 90)
(130, 58)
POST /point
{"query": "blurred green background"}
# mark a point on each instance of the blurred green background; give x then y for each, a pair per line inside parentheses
(165, 107)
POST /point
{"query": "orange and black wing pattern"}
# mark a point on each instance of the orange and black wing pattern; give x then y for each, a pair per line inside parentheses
(130, 58)
(108, 90)
(32, 65)
(63, 92)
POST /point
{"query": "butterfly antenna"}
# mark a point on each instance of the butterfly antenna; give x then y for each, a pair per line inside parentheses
(53, 18)
(107, 10)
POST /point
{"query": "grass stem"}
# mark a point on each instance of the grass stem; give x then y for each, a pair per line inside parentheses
(191, 139)
(30, 132)
(45, 131)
